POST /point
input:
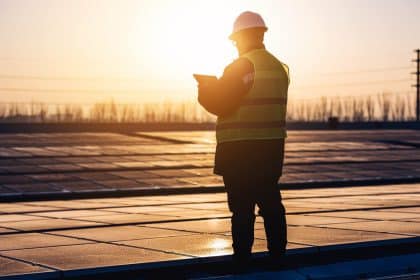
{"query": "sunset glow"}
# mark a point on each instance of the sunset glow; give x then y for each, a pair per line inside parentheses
(136, 51)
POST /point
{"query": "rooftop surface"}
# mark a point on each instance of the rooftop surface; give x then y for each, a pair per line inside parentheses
(99, 164)
(341, 189)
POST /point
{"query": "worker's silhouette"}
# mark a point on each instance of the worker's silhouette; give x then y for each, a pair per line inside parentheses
(250, 102)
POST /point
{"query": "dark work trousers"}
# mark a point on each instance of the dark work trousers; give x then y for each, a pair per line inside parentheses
(250, 170)
(244, 191)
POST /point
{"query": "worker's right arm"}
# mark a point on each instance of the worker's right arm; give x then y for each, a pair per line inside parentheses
(224, 96)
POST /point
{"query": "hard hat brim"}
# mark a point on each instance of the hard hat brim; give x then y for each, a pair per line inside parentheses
(235, 34)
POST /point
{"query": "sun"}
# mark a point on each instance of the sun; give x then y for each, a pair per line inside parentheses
(175, 40)
(190, 39)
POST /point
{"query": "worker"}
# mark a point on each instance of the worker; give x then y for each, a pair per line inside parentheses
(249, 101)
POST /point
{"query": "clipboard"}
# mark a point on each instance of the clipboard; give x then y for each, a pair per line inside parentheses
(204, 79)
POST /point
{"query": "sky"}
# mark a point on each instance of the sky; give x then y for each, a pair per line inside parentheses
(134, 51)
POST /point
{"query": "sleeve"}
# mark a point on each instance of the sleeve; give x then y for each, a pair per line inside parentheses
(225, 95)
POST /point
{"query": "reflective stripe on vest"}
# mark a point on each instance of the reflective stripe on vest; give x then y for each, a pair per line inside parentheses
(236, 125)
(262, 113)
(264, 101)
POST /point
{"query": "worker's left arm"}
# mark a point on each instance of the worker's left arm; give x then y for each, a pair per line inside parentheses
(224, 96)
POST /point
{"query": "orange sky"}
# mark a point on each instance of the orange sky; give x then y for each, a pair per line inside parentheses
(134, 51)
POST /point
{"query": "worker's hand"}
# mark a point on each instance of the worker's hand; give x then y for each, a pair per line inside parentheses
(205, 92)
(204, 88)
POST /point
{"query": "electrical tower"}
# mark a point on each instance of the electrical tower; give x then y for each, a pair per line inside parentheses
(417, 85)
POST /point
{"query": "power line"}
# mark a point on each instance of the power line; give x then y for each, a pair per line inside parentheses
(46, 78)
(65, 78)
(352, 96)
(353, 84)
(302, 98)
(417, 85)
(389, 69)
(68, 90)
(35, 103)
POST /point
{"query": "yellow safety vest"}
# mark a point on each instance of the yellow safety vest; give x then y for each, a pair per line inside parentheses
(262, 113)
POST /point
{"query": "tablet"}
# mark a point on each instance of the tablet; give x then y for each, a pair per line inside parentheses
(204, 78)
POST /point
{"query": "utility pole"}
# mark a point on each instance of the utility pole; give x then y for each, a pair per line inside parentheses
(417, 85)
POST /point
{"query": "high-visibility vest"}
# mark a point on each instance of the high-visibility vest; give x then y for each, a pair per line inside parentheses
(262, 113)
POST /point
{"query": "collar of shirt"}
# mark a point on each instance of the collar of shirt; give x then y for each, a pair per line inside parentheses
(253, 47)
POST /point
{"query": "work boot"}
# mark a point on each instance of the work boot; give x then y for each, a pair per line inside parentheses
(275, 259)
(241, 263)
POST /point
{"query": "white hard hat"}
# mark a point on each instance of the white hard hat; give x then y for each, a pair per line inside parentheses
(247, 20)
